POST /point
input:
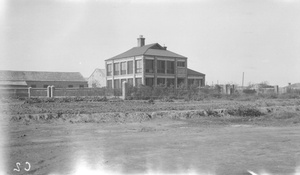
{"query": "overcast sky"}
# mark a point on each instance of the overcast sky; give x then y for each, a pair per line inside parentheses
(221, 38)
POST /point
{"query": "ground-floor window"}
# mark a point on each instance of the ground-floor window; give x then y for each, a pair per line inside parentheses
(81, 86)
(170, 81)
(117, 84)
(149, 82)
(180, 81)
(138, 81)
(194, 82)
(161, 81)
(109, 84)
(130, 81)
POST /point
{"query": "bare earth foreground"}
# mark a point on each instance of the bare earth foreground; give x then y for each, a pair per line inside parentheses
(157, 145)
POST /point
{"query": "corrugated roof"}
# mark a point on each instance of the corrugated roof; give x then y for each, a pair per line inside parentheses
(191, 72)
(8, 75)
(150, 49)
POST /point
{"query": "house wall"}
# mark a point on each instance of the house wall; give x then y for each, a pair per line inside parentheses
(97, 79)
(57, 84)
(179, 72)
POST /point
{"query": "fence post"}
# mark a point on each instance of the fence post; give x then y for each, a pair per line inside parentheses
(276, 89)
(124, 90)
(49, 91)
(52, 91)
(29, 92)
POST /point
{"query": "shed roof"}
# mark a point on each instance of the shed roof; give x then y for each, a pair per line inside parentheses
(8, 75)
(191, 72)
(150, 49)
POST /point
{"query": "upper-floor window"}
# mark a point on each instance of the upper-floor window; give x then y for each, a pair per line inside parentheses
(130, 67)
(109, 70)
(116, 68)
(81, 86)
(150, 66)
(180, 64)
(161, 66)
(170, 67)
(138, 66)
(123, 68)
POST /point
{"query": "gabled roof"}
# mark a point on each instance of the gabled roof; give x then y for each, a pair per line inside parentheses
(8, 75)
(102, 72)
(150, 49)
(191, 72)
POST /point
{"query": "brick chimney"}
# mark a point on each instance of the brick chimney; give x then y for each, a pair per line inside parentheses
(141, 41)
(165, 47)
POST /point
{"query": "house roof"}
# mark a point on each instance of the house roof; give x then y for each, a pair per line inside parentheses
(150, 49)
(191, 72)
(8, 75)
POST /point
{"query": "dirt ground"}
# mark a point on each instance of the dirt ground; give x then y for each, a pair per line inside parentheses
(204, 145)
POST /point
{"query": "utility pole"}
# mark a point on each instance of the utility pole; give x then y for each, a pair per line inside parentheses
(243, 81)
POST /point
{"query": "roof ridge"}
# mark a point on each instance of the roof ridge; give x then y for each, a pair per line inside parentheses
(150, 47)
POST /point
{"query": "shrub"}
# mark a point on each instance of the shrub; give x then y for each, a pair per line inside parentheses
(245, 111)
(249, 91)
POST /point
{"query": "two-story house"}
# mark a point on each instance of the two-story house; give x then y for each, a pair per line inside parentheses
(150, 65)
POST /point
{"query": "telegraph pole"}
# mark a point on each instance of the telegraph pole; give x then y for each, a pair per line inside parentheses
(243, 80)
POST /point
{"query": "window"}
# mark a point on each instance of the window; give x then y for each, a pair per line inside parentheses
(33, 86)
(130, 81)
(170, 81)
(116, 68)
(123, 68)
(45, 86)
(138, 81)
(117, 84)
(197, 82)
(160, 81)
(180, 64)
(81, 86)
(170, 67)
(130, 67)
(109, 70)
(109, 84)
(138, 66)
(190, 82)
(180, 82)
(149, 82)
(150, 66)
(70, 86)
(160, 66)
